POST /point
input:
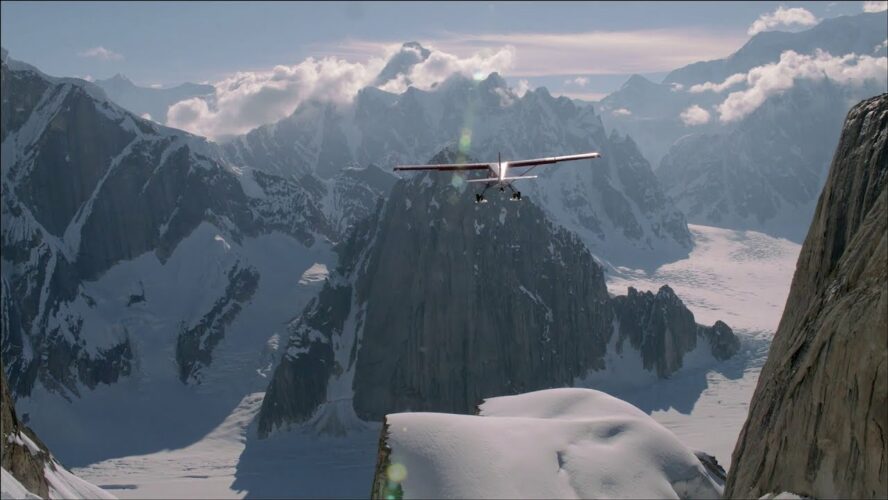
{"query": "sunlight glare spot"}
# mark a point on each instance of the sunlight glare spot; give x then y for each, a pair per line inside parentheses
(396, 473)
(465, 141)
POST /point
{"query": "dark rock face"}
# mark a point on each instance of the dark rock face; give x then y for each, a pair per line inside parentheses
(839, 35)
(505, 303)
(300, 381)
(16, 457)
(153, 101)
(438, 302)
(766, 172)
(818, 419)
(663, 330)
(194, 348)
(614, 204)
(87, 186)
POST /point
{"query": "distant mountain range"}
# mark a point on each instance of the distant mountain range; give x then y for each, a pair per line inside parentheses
(149, 102)
(507, 302)
(764, 171)
(615, 204)
(146, 268)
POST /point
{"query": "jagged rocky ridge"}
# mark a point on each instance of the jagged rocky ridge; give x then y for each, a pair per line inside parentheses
(859, 34)
(96, 201)
(818, 419)
(615, 204)
(148, 102)
(438, 302)
(763, 172)
(28, 460)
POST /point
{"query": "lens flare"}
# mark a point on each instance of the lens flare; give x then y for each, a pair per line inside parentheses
(396, 473)
(457, 181)
(465, 141)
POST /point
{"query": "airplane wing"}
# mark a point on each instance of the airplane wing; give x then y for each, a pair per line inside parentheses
(446, 166)
(552, 159)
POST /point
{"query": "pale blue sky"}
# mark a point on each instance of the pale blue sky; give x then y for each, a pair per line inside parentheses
(171, 42)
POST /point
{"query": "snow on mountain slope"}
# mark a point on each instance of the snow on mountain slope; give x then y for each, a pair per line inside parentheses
(143, 276)
(763, 170)
(153, 102)
(614, 203)
(510, 303)
(857, 34)
(29, 469)
(557, 443)
(293, 465)
(743, 277)
(729, 274)
(764, 174)
(160, 302)
(11, 488)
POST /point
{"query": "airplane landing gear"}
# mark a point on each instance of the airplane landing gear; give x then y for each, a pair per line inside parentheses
(479, 198)
(516, 196)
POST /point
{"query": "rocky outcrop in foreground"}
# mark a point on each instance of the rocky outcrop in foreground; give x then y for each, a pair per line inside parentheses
(818, 422)
(26, 458)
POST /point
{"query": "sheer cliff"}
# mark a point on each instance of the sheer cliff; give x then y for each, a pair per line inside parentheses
(438, 302)
(817, 423)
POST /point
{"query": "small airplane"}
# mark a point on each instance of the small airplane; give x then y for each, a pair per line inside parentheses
(499, 170)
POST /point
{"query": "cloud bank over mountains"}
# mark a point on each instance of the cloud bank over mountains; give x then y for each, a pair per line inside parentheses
(875, 6)
(782, 17)
(764, 81)
(101, 53)
(694, 115)
(246, 100)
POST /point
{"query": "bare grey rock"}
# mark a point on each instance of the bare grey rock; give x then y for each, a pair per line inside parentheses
(663, 330)
(87, 186)
(818, 420)
(15, 457)
(438, 303)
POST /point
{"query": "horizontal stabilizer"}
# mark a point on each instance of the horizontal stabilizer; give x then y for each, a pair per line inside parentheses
(507, 179)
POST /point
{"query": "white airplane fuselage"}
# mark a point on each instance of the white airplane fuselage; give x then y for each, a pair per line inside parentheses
(500, 176)
(498, 172)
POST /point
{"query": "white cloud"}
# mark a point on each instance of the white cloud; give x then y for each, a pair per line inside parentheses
(156, 86)
(147, 116)
(676, 87)
(718, 87)
(547, 54)
(440, 65)
(774, 78)
(797, 16)
(247, 100)
(881, 46)
(875, 6)
(522, 88)
(694, 115)
(88, 78)
(101, 53)
(506, 97)
(621, 112)
(580, 81)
